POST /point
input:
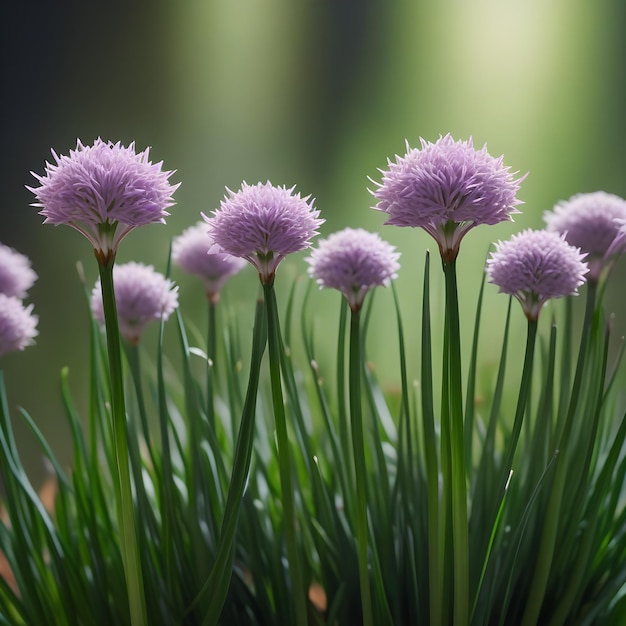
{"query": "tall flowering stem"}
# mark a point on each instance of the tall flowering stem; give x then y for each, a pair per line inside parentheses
(358, 449)
(453, 448)
(216, 586)
(284, 456)
(123, 488)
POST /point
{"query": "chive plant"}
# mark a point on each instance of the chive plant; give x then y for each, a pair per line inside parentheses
(296, 489)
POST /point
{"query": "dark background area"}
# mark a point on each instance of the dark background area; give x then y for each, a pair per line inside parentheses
(316, 94)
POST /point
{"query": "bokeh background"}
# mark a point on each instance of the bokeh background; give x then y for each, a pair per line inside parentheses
(316, 94)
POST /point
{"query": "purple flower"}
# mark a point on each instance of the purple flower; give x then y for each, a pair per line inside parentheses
(447, 188)
(353, 261)
(591, 222)
(536, 265)
(16, 273)
(104, 191)
(18, 325)
(263, 224)
(141, 296)
(190, 251)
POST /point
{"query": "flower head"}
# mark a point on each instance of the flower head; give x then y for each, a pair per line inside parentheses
(18, 325)
(141, 296)
(353, 261)
(447, 188)
(104, 191)
(16, 274)
(263, 224)
(536, 265)
(591, 222)
(190, 251)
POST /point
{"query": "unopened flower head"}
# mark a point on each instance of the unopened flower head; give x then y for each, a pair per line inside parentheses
(591, 222)
(190, 251)
(104, 191)
(16, 273)
(536, 265)
(262, 224)
(447, 188)
(18, 324)
(142, 295)
(353, 261)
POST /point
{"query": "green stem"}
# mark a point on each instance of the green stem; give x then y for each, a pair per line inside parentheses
(284, 457)
(218, 581)
(457, 484)
(360, 472)
(549, 533)
(122, 479)
(212, 358)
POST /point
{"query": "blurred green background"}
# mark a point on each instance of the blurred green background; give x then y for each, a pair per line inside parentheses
(316, 94)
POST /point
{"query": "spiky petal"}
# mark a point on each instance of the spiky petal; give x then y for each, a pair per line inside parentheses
(447, 188)
(104, 191)
(591, 222)
(353, 261)
(263, 223)
(536, 265)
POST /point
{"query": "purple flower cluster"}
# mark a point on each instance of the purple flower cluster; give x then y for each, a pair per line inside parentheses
(353, 261)
(18, 324)
(142, 295)
(591, 222)
(104, 191)
(262, 224)
(534, 266)
(16, 273)
(190, 251)
(447, 188)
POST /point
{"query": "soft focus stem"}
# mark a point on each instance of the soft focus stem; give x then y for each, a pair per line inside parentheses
(456, 488)
(218, 581)
(284, 457)
(549, 532)
(360, 472)
(122, 480)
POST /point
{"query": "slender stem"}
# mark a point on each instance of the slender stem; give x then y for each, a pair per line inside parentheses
(549, 532)
(458, 484)
(218, 581)
(122, 479)
(284, 457)
(211, 354)
(360, 472)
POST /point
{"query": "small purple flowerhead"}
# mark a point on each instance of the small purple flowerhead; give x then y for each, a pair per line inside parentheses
(263, 224)
(591, 222)
(536, 265)
(353, 261)
(18, 325)
(104, 191)
(142, 295)
(190, 251)
(16, 274)
(447, 188)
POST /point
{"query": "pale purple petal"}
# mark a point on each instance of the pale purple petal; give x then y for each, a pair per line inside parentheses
(353, 261)
(591, 222)
(18, 324)
(262, 224)
(142, 295)
(447, 188)
(190, 251)
(536, 265)
(16, 274)
(104, 191)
